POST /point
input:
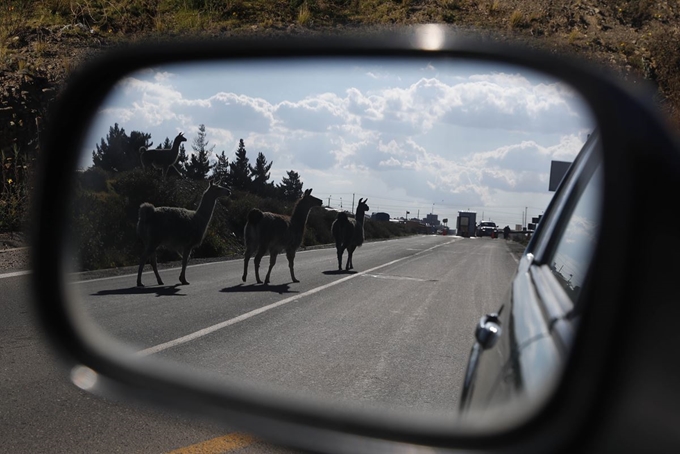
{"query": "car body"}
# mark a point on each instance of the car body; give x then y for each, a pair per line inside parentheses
(533, 329)
(581, 364)
(486, 228)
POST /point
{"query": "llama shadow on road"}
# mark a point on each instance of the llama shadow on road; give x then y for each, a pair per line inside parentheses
(280, 289)
(338, 272)
(164, 290)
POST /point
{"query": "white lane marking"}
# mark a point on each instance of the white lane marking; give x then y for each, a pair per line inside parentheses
(13, 249)
(15, 274)
(253, 313)
(398, 278)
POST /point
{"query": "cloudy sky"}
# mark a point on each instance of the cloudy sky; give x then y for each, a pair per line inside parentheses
(419, 136)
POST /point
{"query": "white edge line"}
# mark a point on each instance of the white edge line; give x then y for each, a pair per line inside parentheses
(13, 249)
(15, 274)
(247, 315)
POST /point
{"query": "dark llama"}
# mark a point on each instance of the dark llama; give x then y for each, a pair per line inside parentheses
(269, 232)
(176, 228)
(349, 233)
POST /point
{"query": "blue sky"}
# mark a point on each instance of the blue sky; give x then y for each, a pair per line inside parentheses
(418, 136)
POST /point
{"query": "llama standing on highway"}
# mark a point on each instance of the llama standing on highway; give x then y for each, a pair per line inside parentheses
(176, 228)
(162, 158)
(349, 233)
(274, 233)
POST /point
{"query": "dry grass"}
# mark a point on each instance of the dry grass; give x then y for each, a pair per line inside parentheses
(494, 7)
(39, 46)
(517, 19)
(304, 15)
(573, 36)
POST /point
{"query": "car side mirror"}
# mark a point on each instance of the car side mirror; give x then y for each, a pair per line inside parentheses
(129, 338)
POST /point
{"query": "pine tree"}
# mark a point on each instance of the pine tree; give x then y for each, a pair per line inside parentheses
(291, 186)
(165, 145)
(239, 170)
(221, 169)
(120, 152)
(199, 165)
(182, 161)
(260, 176)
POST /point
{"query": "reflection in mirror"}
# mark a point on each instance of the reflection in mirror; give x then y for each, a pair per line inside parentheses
(575, 248)
(188, 169)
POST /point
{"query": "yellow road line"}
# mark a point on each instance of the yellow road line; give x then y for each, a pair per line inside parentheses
(224, 444)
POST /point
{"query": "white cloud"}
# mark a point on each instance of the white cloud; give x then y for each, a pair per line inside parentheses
(388, 134)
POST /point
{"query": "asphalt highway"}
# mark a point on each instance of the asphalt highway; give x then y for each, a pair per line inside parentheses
(396, 332)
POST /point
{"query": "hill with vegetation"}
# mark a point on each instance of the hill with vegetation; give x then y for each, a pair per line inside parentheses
(42, 42)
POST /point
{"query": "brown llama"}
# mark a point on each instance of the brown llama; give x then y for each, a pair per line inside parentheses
(269, 232)
(349, 233)
(176, 228)
(162, 158)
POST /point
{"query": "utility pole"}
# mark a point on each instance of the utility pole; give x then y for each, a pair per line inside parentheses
(352, 202)
(419, 214)
(341, 203)
(329, 201)
(525, 216)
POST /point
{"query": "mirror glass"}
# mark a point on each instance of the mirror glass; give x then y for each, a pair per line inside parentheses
(424, 161)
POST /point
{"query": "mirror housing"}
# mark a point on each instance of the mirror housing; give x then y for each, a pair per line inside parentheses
(628, 124)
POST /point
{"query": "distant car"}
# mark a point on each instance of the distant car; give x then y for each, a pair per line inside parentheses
(486, 228)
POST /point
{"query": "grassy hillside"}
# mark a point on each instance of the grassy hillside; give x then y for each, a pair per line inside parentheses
(42, 41)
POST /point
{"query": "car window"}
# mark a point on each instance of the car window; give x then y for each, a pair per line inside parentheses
(574, 251)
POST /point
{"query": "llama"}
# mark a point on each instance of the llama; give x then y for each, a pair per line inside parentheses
(272, 232)
(176, 228)
(349, 233)
(162, 158)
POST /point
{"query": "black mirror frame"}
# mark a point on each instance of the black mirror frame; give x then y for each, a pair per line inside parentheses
(627, 123)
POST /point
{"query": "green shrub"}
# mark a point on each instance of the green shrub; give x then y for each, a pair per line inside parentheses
(319, 227)
(633, 12)
(104, 221)
(383, 229)
(14, 189)
(103, 236)
(94, 179)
